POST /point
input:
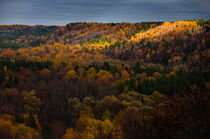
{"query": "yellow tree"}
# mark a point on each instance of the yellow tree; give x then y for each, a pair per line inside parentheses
(104, 76)
(71, 75)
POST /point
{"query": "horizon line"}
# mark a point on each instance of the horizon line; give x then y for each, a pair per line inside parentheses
(99, 22)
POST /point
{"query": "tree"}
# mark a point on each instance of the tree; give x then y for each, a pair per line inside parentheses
(148, 56)
(131, 123)
(106, 115)
(89, 101)
(95, 128)
(104, 76)
(32, 106)
(71, 75)
(32, 103)
(45, 73)
(10, 130)
(125, 75)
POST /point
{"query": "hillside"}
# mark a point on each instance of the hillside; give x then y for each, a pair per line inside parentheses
(73, 33)
(105, 80)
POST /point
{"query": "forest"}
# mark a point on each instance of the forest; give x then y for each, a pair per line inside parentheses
(105, 81)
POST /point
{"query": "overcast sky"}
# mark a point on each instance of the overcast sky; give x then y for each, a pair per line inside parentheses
(61, 12)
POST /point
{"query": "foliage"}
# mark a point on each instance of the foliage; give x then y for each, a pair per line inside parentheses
(105, 80)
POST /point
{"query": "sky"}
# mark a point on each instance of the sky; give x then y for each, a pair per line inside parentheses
(62, 12)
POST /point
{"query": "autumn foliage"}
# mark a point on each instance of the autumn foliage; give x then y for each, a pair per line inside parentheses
(105, 81)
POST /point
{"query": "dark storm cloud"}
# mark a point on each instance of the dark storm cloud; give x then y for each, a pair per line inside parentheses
(65, 11)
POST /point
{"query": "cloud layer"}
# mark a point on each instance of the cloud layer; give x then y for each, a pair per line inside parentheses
(64, 11)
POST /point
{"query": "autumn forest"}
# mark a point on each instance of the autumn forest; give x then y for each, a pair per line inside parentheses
(105, 81)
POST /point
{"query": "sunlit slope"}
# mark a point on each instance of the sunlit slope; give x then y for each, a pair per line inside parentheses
(98, 33)
(168, 31)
